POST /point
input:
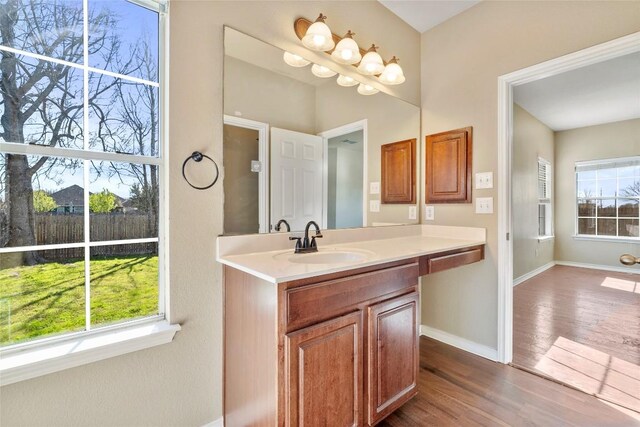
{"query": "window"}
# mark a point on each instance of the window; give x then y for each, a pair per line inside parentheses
(608, 196)
(545, 214)
(81, 167)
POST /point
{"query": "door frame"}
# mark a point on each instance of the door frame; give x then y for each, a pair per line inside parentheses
(592, 55)
(332, 133)
(263, 158)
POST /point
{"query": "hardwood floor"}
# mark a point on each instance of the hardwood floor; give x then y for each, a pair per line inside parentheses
(456, 388)
(581, 327)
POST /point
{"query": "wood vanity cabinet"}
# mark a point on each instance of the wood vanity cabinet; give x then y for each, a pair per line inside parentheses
(338, 349)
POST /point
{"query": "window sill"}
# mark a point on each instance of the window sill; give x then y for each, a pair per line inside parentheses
(607, 239)
(543, 238)
(48, 358)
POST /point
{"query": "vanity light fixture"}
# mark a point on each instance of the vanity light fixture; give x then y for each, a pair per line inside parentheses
(318, 36)
(365, 89)
(322, 71)
(371, 63)
(295, 60)
(346, 81)
(392, 74)
(347, 50)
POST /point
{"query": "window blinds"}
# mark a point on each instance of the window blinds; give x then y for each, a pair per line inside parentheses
(544, 180)
(622, 162)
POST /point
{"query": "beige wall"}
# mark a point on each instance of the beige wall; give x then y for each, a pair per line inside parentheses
(620, 139)
(268, 97)
(180, 384)
(531, 139)
(461, 61)
(388, 120)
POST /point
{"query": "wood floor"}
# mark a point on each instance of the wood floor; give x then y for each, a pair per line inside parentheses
(581, 327)
(457, 388)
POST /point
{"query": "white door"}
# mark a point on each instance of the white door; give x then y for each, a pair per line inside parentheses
(296, 178)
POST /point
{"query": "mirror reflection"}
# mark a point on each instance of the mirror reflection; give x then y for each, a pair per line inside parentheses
(298, 147)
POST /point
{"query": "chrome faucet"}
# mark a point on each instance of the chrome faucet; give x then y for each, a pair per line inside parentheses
(307, 245)
(279, 224)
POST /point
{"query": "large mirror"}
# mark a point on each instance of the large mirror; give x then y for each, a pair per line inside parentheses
(298, 147)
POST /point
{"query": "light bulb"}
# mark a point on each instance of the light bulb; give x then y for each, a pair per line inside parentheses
(318, 36)
(347, 50)
(322, 71)
(346, 81)
(365, 89)
(295, 60)
(392, 74)
(318, 40)
(371, 63)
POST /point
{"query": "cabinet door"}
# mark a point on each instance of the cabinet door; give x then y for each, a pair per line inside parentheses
(448, 166)
(392, 355)
(324, 381)
(398, 175)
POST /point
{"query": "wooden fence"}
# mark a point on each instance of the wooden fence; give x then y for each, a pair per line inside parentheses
(69, 228)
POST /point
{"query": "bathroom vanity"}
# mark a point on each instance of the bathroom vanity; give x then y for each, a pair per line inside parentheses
(329, 338)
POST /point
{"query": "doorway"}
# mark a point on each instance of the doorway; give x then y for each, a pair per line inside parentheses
(345, 180)
(345, 149)
(245, 172)
(565, 308)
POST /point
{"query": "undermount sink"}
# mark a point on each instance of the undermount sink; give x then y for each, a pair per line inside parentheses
(337, 256)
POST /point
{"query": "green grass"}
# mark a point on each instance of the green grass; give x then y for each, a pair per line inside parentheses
(49, 298)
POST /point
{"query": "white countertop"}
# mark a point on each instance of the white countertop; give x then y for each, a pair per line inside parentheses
(376, 246)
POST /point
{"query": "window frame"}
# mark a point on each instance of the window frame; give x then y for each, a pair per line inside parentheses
(601, 237)
(127, 334)
(545, 202)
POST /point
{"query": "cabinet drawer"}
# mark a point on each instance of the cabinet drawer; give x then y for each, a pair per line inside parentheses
(306, 305)
(440, 263)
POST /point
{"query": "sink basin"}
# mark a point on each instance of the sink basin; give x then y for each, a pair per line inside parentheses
(336, 256)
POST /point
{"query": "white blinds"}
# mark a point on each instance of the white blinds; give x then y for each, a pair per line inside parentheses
(622, 162)
(544, 180)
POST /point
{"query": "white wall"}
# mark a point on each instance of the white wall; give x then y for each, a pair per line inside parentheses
(620, 139)
(180, 384)
(531, 139)
(461, 61)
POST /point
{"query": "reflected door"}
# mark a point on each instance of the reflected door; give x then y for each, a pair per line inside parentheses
(296, 178)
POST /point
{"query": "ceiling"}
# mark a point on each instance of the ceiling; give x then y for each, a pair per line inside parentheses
(425, 14)
(601, 93)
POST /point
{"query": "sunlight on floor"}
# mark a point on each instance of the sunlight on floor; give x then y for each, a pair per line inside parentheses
(633, 414)
(593, 372)
(621, 284)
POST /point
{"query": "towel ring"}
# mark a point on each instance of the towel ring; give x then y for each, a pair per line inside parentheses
(197, 157)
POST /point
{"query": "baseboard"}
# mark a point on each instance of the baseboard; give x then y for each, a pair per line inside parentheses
(533, 273)
(599, 267)
(216, 423)
(461, 343)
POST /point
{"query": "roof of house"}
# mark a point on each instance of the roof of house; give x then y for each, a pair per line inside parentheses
(70, 196)
(74, 196)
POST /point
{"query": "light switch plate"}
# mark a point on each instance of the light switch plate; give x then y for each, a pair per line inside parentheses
(256, 166)
(429, 213)
(374, 188)
(484, 205)
(484, 180)
(413, 212)
(374, 205)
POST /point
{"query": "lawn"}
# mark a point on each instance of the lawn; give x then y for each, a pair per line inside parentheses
(50, 298)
